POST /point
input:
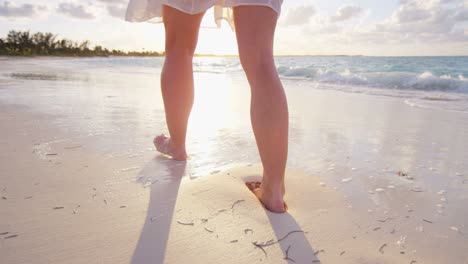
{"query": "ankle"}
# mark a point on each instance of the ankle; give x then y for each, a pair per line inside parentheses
(176, 145)
(275, 189)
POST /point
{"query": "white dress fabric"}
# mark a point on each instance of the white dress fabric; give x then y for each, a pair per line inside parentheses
(151, 10)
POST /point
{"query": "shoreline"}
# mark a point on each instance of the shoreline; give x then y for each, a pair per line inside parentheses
(369, 177)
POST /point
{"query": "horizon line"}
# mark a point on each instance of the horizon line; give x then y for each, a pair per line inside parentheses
(328, 55)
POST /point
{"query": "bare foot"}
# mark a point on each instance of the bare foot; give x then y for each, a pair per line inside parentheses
(273, 203)
(163, 145)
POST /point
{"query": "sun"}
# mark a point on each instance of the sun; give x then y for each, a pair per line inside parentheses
(214, 40)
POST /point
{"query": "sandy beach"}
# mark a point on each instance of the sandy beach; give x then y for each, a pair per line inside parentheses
(370, 178)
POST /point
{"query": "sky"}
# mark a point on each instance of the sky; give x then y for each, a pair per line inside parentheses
(305, 27)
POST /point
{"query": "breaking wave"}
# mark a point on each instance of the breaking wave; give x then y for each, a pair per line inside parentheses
(425, 81)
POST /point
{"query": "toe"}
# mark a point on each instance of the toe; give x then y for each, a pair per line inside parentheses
(160, 141)
(160, 138)
(252, 185)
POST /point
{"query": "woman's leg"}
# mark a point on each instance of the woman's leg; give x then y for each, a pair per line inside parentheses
(177, 79)
(255, 28)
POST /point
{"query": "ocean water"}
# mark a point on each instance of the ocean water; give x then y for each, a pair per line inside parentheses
(366, 118)
(104, 94)
(388, 134)
(432, 82)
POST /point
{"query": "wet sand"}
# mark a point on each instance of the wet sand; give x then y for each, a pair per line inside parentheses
(370, 179)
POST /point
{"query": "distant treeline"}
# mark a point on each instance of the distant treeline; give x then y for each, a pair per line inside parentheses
(23, 43)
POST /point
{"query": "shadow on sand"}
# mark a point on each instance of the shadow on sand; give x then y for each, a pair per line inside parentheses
(165, 183)
(292, 240)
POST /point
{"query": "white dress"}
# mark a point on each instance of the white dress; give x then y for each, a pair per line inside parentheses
(151, 10)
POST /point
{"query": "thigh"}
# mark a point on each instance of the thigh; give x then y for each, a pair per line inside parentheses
(181, 28)
(255, 28)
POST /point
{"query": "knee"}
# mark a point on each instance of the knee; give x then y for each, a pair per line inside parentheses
(177, 50)
(178, 53)
(255, 63)
(179, 45)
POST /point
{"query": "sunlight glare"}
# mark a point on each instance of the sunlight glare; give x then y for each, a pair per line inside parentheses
(210, 112)
(213, 40)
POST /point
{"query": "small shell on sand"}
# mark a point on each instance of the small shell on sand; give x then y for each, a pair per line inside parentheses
(347, 180)
(454, 228)
(391, 187)
(323, 184)
(379, 190)
(248, 230)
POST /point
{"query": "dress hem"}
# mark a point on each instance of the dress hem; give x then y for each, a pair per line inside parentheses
(157, 18)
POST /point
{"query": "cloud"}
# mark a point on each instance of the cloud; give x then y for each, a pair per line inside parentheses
(75, 11)
(414, 27)
(411, 12)
(347, 13)
(462, 15)
(427, 21)
(115, 8)
(323, 29)
(299, 15)
(26, 10)
(116, 11)
(414, 22)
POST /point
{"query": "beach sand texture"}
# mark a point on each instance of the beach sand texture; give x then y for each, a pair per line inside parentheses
(370, 178)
